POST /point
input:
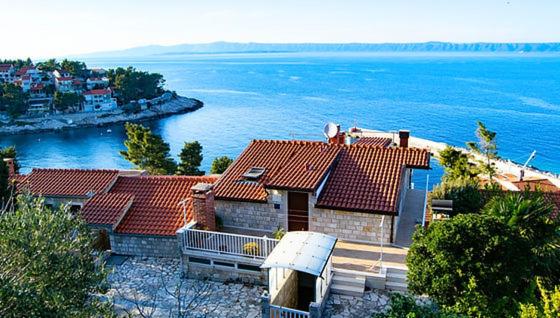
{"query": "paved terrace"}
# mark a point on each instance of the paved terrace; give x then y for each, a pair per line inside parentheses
(363, 257)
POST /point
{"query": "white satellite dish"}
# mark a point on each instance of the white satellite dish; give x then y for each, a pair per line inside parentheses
(330, 130)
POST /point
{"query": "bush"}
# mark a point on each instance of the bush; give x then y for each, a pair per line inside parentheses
(406, 306)
(132, 108)
(465, 194)
(279, 233)
(473, 264)
(251, 248)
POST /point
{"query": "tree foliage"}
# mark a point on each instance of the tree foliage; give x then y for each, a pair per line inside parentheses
(548, 305)
(220, 164)
(456, 164)
(402, 305)
(147, 150)
(473, 264)
(49, 65)
(47, 267)
(464, 192)
(13, 100)
(131, 84)
(75, 68)
(191, 159)
(65, 101)
(6, 186)
(529, 214)
(19, 63)
(485, 146)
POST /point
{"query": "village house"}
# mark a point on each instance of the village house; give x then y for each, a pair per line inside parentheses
(99, 100)
(31, 71)
(353, 192)
(24, 82)
(7, 73)
(64, 84)
(97, 83)
(61, 73)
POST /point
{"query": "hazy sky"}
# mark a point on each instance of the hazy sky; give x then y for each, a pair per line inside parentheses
(58, 27)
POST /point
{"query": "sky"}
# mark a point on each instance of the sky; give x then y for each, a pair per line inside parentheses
(55, 28)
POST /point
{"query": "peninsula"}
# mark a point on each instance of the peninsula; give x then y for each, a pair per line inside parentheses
(51, 95)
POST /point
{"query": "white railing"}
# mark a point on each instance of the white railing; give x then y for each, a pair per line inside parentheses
(227, 243)
(283, 312)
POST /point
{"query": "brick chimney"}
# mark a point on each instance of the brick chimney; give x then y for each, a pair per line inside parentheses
(204, 212)
(11, 167)
(340, 137)
(403, 138)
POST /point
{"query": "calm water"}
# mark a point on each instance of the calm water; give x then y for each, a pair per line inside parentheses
(280, 96)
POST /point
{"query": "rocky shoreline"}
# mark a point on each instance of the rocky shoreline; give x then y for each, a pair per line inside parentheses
(178, 105)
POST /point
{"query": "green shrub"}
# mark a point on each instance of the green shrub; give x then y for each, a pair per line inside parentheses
(279, 233)
(406, 306)
(465, 194)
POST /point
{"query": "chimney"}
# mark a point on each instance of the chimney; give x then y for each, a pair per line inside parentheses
(204, 212)
(403, 138)
(340, 137)
(11, 167)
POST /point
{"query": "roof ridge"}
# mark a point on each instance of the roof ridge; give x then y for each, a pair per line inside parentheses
(295, 142)
(75, 169)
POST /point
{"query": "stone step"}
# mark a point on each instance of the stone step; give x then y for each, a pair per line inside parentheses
(397, 278)
(394, 270)
(356, 281)
(396, 286)
(347, 290)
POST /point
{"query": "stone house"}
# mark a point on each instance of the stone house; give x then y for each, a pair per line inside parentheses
(353, 192)
(132, 213)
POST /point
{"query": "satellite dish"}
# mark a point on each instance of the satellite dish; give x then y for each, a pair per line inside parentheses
(330, 130)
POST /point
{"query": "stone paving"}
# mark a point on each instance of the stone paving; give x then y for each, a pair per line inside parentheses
(341, 306)
(146, 287)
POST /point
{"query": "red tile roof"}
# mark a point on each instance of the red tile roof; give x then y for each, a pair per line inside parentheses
(533, 184)
(68, 182)
(24, 70)
(368, 179)
(104, 91)
(288, 164)
(155, 208)
(106, 208)
(374, 141)
(64, 79)
(5, 67)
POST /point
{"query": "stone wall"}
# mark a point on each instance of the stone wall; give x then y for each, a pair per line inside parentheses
(223, 268)
(144, 245)
(353, 226)
(254, 216)
(286, 294)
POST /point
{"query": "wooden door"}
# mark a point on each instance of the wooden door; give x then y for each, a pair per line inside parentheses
(298, 211)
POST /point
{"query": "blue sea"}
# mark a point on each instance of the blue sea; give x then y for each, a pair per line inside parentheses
(286, 96)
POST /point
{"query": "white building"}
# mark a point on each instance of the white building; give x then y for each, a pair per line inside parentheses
(7, 72)
(24, 82)
(64, 84)
(99, 100)
(97, 82)
(61, 73)
(31, 71)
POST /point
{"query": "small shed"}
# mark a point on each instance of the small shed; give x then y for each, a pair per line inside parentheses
(300, 272)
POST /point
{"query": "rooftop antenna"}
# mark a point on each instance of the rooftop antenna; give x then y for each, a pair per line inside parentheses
(330, 130)
(522, 172)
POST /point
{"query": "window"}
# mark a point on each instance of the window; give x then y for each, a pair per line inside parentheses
(199, 260)
(254, 173)
(248, 267)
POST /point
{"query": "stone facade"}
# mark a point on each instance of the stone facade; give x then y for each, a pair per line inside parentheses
(144, 245)
(253, 216)
(223, 268)
(353, 226)
(286, 294)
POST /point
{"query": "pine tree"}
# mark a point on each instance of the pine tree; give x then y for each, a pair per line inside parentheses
(191, 158)
(486, 146)
(147, 151)
(220, 164)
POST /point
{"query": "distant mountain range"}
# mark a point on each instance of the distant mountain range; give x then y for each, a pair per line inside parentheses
(232, 47)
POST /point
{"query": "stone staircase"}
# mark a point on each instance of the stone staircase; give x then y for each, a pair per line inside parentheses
(396, 279)
(346, 282)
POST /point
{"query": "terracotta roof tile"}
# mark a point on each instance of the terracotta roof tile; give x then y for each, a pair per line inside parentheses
(533, 184)
(104, 91)
(288, 164)
(374, 141)
(67, 182)
(106, 208)
(155, 209)
(368, 178)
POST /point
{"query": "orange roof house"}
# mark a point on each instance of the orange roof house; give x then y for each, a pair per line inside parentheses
(311, 185)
